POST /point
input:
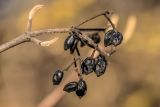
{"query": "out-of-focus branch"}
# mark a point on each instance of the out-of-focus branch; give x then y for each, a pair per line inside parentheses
(130, 28)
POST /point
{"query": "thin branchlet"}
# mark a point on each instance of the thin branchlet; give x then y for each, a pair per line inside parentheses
(75, 60)
(94, 17)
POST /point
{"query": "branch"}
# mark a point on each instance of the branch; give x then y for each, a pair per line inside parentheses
(101, 14)
(27, 37)
(19, 40)
(30, 36)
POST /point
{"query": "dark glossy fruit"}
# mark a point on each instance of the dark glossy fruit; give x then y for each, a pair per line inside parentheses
(95, 37)
(57, 77)
(88, 65)
(100, 66)
(118, 38)
(69, 42)
(81, 88)
(113, 37)
(82, 43)
(108, 38)
(74, 46)
(70, 87)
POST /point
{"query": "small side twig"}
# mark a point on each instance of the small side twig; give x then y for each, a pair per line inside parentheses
(103, 13)
(67, 68)
(33, 11)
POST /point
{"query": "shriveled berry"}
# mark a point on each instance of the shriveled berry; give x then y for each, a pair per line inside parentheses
(100, 66)
(95, 37)
(70, 87)
(57, 77)
(88, 65)
(112, 37)
(81, 88)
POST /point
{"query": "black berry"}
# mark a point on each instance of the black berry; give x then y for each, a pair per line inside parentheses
(112, 37)
(95, 37)
(57, 77)
(70, 87)
(69, 42)
(82, 43)
(74, 46)
(81, 88)
(88, 65)
(100, 66)
(118, 38)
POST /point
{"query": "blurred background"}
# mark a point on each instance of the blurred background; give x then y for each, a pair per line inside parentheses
(132, 77)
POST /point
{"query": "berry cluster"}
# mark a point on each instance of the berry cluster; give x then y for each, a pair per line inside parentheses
(97, 65)
(79, 87)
